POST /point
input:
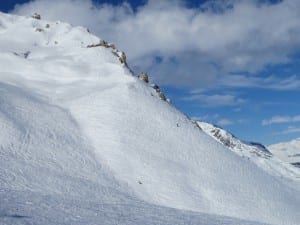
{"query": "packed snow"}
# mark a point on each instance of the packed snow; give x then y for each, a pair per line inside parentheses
(84, 141)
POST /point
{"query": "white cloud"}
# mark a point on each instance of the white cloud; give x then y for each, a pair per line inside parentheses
(281, 119)
(208, 40)
(215, 100)
(271, 82)
(289, 130)
(224, 122)
(200, 118)
(229, 81)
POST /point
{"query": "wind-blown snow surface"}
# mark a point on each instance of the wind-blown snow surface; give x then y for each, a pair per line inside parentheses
(85, 142)
(288, 151)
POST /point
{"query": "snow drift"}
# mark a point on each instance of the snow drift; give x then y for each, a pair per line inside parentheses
(79, 130)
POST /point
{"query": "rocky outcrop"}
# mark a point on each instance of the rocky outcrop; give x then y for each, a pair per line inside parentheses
(144, 77)
(123, 60)
(115, 51)
(36, 16)
(38, 29)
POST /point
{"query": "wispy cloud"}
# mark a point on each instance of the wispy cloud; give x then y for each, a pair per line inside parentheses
(200, 118)
(281, 119)
(270, 82)
(194, 44)
(215, 100)
(289, 130)
(224, 122)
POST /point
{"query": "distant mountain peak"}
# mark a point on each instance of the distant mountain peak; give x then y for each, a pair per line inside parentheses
(288, 151)
(255, 152)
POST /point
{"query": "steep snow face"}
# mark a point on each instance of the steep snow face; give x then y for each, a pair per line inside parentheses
(122, 124)
(43, 151)
(255, 152)
(288, 151)
(49, 175)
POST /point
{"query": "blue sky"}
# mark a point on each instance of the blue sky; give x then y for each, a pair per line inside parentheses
(235, 63)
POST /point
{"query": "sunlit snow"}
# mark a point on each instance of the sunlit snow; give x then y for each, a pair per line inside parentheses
(84, 141)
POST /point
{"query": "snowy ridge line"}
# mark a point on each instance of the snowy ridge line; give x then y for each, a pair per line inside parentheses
(121, 55)
(122, 58)
(253, 151)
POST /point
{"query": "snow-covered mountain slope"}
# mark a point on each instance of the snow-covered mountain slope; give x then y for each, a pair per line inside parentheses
(288, 151)
(80, 133)
(233, 143)
(49, 175)
(255, 152)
